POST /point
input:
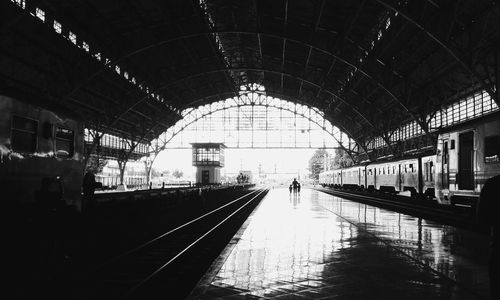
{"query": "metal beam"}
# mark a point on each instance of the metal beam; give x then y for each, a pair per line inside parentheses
(306, 43)
(441, 43)
(334, 94)
(282, 108)
(284, 43)
(334, 59)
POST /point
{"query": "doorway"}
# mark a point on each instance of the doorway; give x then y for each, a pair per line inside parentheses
(466, 161)
(205, 177)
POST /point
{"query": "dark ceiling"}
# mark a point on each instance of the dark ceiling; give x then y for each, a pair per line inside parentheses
(368, 65)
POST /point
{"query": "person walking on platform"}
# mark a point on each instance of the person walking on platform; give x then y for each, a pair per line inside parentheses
(298, 187)
(290, 188)
(295, 185)
(487, 211)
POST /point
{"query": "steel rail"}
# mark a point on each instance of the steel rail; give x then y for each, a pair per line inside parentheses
(428, 211)
(142, 246)
(136, 287)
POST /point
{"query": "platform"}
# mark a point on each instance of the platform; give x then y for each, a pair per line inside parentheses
(318, 246)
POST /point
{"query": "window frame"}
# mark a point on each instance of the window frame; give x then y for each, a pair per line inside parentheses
(497, 137)
(35, 133)
(72, 142)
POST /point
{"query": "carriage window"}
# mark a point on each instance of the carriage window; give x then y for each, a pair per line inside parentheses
(23, 134)
(428, 170)
(393, 169)
(64, 142)
(370, 172)
(492, 149)
(411, 168)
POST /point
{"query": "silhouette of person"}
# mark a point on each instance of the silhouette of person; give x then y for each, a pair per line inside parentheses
(51, 217)
(298, 187)
(89, 186)
(295, 184)
(290, 188)
(49, 197)
(487, 213)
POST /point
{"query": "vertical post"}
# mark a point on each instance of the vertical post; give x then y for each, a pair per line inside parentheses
(497, 78)
(121, 166)
(295, 125)
(420, 176)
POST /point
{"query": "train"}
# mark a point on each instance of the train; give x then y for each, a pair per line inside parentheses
(466, 156)
(36, 143)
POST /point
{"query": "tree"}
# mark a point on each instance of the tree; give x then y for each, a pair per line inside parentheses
(156, 173)
(177, 174)
(95, 164)
(341, 159)
(243, 178)
(317, 163)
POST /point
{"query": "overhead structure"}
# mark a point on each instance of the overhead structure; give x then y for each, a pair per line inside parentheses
(254, 120)
(130, 68)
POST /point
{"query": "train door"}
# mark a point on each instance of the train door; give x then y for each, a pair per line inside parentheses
(205, 177)
(445, 165)
(466, 161)
(420, 177)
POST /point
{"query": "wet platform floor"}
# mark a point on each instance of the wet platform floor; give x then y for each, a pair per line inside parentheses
(317, 246)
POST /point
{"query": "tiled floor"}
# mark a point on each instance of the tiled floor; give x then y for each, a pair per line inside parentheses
(317, 246)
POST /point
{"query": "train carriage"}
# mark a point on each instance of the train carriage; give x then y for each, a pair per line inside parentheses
(350, 177)
(428, 167)
(36, 143)
(466, 158)
(409, 173)
(326, 178)
(370, 176)
(337, 177)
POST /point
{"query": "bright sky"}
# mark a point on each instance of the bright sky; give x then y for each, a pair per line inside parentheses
(285, 160)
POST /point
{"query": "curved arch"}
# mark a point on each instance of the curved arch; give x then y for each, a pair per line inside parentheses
(333, 94)
(286, 98)
(191, 35)
(254, 99)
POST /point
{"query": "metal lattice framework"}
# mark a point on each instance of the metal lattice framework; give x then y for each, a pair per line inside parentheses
(256, 112)
(129, 68)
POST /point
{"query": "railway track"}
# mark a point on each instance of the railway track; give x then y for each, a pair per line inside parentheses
(170, 264)
(455, 216)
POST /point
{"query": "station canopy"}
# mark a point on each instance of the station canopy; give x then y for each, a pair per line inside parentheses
(131, 67)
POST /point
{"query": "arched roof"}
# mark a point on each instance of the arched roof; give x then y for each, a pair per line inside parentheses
(368, 65)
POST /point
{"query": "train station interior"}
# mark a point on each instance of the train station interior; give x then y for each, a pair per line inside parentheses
(250, 149)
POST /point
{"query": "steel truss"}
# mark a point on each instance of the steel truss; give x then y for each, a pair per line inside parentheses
(249, 104)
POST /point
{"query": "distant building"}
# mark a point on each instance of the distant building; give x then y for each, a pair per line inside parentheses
(208, 158)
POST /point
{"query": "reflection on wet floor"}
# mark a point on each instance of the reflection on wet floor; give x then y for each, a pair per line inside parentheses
(314, 245)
